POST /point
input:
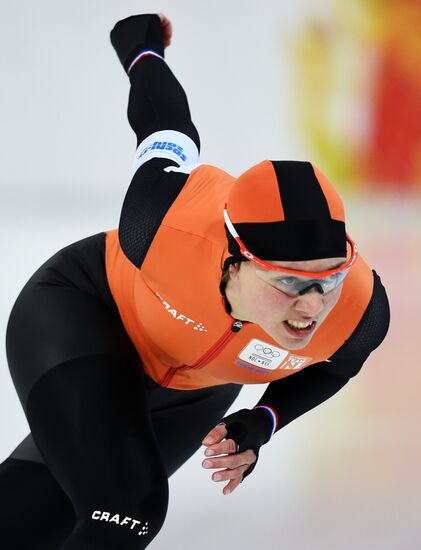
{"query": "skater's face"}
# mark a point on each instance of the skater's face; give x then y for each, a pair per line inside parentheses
(260, 301)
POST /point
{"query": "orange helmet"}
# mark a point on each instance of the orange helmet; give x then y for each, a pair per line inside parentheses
(287, 211)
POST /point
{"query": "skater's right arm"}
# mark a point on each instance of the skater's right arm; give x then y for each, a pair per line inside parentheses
(159, 114)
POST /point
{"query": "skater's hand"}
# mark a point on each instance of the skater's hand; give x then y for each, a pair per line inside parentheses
(235, 464)
(166, 28)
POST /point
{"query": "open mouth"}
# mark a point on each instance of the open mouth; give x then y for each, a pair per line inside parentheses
(299, 329)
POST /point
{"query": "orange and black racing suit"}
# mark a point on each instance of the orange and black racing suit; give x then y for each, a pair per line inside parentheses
(124, 354)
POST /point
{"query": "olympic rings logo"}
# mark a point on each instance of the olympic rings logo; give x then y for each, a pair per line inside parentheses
(268, 352)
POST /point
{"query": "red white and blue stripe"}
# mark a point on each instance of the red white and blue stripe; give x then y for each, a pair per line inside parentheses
(273, 414)
(139, 56)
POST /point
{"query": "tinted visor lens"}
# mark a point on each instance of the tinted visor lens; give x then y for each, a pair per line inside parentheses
(293, 286)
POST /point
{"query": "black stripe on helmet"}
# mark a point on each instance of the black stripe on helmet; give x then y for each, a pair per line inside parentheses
(301, 194)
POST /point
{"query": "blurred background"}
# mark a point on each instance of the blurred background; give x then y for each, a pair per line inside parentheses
(336, 82)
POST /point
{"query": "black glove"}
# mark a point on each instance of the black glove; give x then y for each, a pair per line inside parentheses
(136, 33)
(250, 429)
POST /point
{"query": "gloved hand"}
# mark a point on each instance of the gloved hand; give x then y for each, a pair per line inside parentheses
(140, 32)
(244, 431)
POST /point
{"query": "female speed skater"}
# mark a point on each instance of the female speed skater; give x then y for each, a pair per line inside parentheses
(128, 347)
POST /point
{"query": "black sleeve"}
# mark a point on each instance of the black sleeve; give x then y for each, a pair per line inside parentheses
(157, 100)
(300, 392)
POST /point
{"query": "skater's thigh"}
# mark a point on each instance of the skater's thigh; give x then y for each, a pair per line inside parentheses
(51, 324)
(80, 381)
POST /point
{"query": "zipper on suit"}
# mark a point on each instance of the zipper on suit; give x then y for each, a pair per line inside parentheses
(209, 355)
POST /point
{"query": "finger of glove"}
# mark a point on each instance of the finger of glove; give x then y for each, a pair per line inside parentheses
(217, 433)
(232, 485)
(231, 461)
(230, 473)
(229, 446)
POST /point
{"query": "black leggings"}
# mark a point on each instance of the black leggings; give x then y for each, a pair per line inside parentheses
(93, 473)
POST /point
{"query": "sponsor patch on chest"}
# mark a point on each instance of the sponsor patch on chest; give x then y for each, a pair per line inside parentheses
(269, 357)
